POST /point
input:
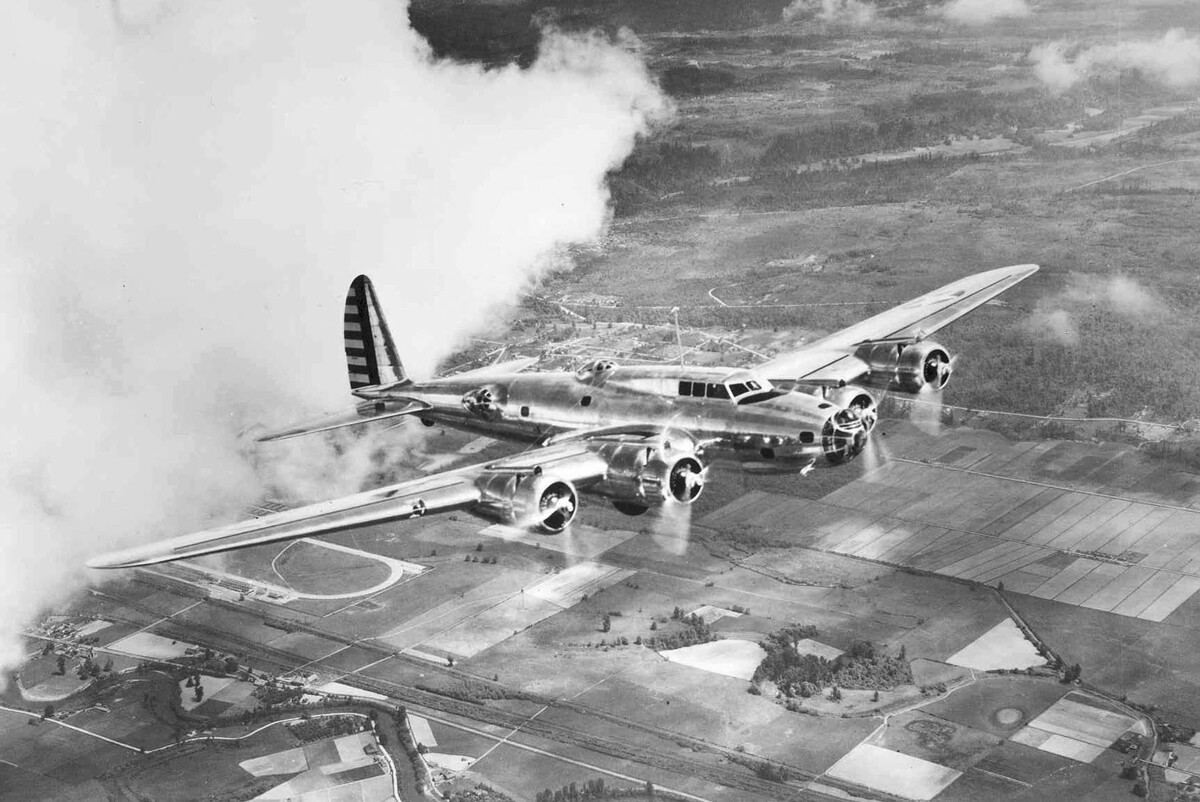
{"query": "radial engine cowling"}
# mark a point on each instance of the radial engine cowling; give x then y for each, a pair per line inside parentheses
(486, 402)
(845, 433)
(908, 368)
(529, 500)
(647, 475)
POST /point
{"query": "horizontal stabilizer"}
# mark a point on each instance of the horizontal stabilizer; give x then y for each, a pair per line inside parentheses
(365, 412)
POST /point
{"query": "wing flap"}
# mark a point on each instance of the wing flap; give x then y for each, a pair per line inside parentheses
(365, 412)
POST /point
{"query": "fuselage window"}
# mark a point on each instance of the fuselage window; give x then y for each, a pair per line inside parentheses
(524, 412)
(685, 388)
(737, 389)
(717, 391)
(697, 389)
(586, 401)
(806, 437)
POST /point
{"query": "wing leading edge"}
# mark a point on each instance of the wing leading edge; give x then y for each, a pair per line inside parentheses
(832, 358)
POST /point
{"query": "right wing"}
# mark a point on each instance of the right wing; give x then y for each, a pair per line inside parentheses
(466, 487)
(831, 359)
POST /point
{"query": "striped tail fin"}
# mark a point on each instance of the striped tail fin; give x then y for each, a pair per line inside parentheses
(371, 357)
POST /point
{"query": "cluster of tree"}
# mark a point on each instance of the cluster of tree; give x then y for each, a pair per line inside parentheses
(1072, 673)
(693, 632)
(475, 691)
(763, 769)
(89, 667)
(657, 170)
(208, 662)
(592, 789)
(1017, 370)
(314, 729)
(471, 558)
(862, 666)
(274, 694)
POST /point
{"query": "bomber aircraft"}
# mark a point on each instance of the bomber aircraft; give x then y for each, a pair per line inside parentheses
(639, 435)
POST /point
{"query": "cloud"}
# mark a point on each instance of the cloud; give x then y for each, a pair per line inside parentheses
(1054, 325)
(187, 189)
(1172, 60)
(981, 12)
(851, 12)
(1056, 316)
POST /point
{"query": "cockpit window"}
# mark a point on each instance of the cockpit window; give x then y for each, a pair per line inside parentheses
(717, 391)
(737, 389)
(753, 385)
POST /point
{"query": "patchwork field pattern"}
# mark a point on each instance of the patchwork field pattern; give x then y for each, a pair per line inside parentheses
(1075, 729)
(1117, 543)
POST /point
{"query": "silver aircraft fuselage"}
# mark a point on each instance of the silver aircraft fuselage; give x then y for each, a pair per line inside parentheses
(729, 413)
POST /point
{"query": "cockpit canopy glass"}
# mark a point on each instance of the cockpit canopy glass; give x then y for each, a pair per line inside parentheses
(597, 367)
(731, 390)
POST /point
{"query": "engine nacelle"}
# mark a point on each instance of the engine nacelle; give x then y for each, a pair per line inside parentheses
(907, 368)
(845, 433)
(486, 402)
(532, 501)
(641, 475)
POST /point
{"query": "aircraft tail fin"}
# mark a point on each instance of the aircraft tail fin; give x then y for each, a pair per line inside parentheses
(371, 357)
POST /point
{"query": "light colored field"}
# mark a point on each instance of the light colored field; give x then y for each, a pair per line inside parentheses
(893, 773)
(567, 586)
(1188, 762)
(92, 627)
(1058, 744)
(486, 617)
(491, 626)
(730, 658)
(350, 747)
(346, 690)
(1002, 646)
(815, 647)
(1076, 730)
(150, 646)
(709, 614)
(289, 761)
(448, 762)
(320, 783)
(212, 686)
(373, 789)
(422, 732)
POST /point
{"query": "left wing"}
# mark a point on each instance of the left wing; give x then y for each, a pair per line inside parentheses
(831, 359)
(538, 484)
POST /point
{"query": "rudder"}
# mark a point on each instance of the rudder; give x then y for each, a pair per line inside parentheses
(371, 356)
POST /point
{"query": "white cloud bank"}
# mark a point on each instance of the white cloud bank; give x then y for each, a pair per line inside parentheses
(1173, 60)
(186, 190)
